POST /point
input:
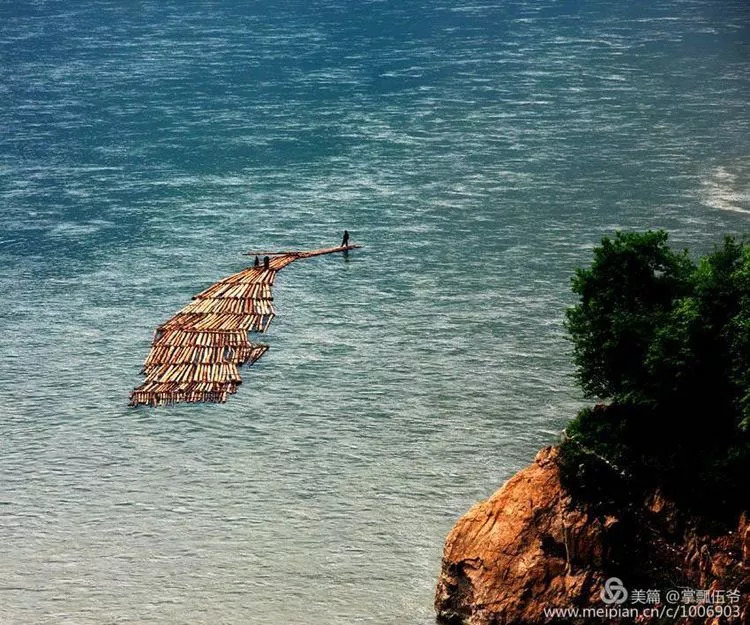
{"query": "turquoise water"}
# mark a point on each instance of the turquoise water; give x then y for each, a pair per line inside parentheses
(478, 150)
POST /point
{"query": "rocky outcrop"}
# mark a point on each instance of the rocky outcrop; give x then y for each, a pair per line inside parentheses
(530, 547)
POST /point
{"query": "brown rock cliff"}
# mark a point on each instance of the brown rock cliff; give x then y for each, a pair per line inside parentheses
(530, 547)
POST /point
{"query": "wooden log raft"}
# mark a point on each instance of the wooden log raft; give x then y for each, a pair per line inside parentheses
(196, 354)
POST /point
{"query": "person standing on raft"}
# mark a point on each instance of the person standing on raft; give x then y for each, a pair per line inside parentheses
(345, 241)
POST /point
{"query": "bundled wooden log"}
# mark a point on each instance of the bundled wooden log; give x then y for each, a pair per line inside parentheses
(196, 354)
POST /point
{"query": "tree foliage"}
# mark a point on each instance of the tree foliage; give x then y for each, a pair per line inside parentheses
(667, 341)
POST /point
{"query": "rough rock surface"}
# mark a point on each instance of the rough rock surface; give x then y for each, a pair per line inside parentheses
(530, 547)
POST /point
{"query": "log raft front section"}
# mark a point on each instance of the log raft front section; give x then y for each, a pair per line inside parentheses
(196, 354)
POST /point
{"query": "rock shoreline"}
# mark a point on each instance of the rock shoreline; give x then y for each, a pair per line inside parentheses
(530, 547)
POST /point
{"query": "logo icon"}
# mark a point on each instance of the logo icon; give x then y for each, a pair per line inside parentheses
(614, 591)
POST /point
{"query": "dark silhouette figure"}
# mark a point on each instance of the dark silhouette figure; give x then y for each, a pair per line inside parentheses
(266, 260)
(257, 262)
(345, 241)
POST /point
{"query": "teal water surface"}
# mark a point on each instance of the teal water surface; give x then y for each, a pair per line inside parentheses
(478, 150)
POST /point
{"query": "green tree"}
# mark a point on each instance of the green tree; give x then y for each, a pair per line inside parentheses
(699, 359)
(625, 297)
(667, 342)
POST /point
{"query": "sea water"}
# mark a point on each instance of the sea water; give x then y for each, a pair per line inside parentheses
(478, 150)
